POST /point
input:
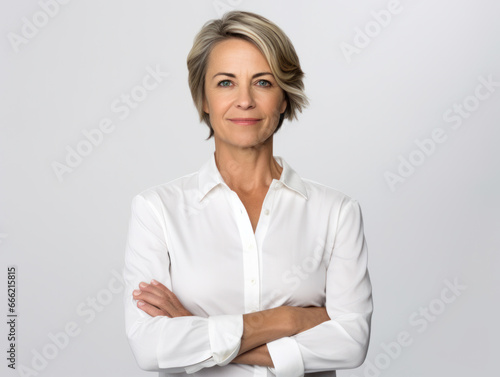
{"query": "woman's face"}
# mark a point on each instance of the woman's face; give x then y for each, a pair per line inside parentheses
(242, 97)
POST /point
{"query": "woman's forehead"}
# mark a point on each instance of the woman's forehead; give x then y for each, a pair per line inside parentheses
(237, 54)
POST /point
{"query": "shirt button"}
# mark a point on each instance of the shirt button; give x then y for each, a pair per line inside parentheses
(253, 281)
(266, 212)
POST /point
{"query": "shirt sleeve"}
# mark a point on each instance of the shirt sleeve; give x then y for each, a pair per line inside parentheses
(182, 344)
(342, 342)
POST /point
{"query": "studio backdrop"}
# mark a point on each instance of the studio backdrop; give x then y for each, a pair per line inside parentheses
(404, 117)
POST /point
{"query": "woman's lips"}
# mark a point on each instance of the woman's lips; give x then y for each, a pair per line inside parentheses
(245, 121)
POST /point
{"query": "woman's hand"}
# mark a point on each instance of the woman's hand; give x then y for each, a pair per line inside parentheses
(157, 300)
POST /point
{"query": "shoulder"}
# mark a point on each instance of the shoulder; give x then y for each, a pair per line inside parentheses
(326, 194)
(170, 192)
(338, 206)
(344, 211)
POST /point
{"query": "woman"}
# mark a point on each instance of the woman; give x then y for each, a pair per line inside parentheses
(244, 268)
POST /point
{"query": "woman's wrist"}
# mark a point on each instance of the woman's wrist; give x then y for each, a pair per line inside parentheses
(265, 326)
(256, 356)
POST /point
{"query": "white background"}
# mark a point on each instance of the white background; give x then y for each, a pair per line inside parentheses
(439, 223)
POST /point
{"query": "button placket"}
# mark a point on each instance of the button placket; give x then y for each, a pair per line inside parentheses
(252, 245)
(265, 219)
(251, 273)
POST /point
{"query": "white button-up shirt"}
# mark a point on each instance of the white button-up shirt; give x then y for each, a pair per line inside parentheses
(193, 234)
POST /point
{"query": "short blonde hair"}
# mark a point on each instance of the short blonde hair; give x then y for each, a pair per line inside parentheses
(268, 38)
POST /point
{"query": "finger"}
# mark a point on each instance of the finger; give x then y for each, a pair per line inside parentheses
(152, 290)
(165, 299)
(161, 286)
(152, 310)
(164, 293)
(177, 305)
(162, 303)
(160, 290)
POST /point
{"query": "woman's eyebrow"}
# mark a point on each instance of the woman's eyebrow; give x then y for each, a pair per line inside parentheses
(232, 75)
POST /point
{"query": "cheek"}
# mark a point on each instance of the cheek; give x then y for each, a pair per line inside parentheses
(277, 106)
(276, 102)
(217, 102)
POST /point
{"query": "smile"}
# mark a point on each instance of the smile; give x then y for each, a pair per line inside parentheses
(245, 121)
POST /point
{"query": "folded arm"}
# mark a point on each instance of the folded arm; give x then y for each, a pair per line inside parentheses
(341, 342)
(182, 344)
(290, 340)
(259, 328)
(164, 335)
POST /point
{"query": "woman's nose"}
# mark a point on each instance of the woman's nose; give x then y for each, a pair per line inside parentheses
(245, 98)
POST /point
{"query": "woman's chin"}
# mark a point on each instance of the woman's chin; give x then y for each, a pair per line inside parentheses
(247, 140)
(250, 142)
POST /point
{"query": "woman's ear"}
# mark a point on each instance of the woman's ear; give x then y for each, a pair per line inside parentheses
(204, 105)
(284, 104)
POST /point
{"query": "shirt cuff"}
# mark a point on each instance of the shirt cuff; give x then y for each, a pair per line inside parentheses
(286, 357)
(225, 333)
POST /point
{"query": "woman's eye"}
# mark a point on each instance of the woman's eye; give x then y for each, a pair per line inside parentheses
(225, 83)
(263, 83)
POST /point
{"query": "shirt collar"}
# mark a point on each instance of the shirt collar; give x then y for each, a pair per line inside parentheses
(210, 177)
